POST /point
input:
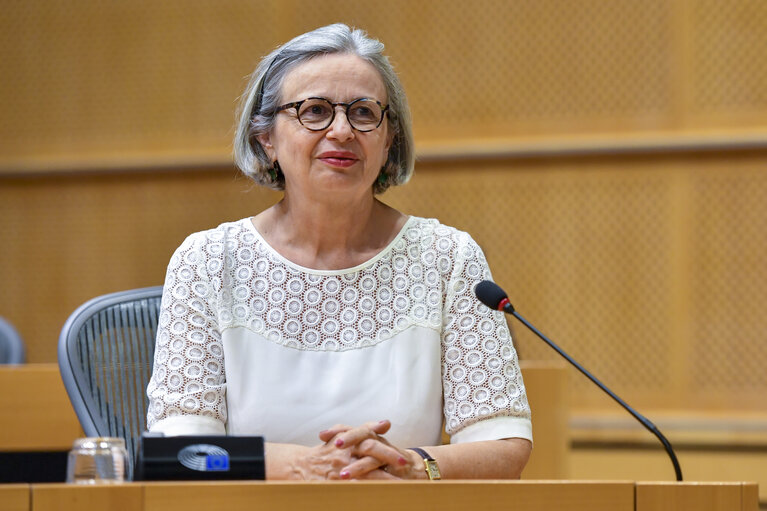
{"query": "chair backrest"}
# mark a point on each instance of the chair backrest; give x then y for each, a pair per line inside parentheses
(106, 352)
(11, 344)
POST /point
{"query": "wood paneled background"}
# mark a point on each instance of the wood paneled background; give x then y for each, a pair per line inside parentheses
(609, 156)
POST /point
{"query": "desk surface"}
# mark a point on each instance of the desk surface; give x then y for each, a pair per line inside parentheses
(373, 496)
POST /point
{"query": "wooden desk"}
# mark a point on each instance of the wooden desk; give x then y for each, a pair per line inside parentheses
(37, 424)
(546, 385)
(39, 416)
(670, 496)
(15, 497)
(36, 414)
(385, 496)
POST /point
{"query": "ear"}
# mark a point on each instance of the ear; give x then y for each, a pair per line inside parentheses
(265, 140)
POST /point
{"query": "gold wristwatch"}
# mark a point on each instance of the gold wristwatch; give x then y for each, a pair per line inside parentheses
(429, 463)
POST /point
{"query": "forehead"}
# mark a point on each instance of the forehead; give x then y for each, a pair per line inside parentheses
(339, 77)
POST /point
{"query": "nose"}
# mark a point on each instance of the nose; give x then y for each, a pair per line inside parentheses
(340, 128)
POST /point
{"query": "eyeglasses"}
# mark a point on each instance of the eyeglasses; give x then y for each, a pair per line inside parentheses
(316, 114)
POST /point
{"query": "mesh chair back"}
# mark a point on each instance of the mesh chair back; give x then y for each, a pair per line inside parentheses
(11, 344)
(106, 351)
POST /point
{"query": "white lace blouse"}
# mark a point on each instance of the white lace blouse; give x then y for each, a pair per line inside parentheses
(250, 343)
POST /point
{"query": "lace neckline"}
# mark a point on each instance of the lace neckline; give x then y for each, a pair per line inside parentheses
(252, 228)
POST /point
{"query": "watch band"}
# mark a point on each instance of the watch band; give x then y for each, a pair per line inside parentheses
(429, 463)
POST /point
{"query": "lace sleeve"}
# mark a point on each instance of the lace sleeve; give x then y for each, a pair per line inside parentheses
(187, 388)
(484, 395)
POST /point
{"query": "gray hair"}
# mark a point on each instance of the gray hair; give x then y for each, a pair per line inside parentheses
(256, 115)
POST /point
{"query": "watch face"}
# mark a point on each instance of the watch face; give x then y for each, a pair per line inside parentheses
(432, 469)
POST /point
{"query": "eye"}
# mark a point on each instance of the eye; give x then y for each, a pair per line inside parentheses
(315, 110)
(363, 111)
(366, 111)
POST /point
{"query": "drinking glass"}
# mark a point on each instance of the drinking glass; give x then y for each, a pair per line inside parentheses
(97, 460)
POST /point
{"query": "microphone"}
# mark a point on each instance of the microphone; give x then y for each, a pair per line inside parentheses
(490, 294)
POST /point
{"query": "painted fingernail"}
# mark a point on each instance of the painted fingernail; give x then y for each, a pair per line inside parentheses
(402, 461)
(383, 421)
(344, 474)
(340, 443)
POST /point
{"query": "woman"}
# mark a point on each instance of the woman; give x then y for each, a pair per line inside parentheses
(340, 329)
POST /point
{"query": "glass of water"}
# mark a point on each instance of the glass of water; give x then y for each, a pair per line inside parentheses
(97, 460)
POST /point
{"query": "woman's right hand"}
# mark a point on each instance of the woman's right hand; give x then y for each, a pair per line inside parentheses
(372, 456)
(327, 460)
(324, 461)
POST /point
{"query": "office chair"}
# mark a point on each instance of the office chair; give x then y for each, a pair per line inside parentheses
(11, 344)
(106, 351)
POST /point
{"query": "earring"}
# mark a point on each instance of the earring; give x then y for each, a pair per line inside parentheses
(381, 178)
(275, 172)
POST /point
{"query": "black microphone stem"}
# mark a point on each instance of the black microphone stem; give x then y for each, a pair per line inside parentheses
(641, 418)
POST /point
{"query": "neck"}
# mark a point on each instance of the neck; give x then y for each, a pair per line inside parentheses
(329, 225)
(329, 234)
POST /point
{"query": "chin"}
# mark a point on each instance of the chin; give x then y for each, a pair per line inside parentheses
(340, 181)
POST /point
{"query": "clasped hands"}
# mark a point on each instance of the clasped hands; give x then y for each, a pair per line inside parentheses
(357, 453)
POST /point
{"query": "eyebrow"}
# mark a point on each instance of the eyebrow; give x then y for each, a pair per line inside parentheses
(355, 98)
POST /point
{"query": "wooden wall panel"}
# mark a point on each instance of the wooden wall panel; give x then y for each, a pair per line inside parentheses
(728, 277)
(647, 266)
(728, 74)
(88, 82)
(648, 269)
(68, 239)
(583, 251)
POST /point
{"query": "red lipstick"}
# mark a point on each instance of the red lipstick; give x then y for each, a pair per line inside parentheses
(338, 158)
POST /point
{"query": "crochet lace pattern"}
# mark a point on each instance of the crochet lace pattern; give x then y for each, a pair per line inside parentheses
(230, 277)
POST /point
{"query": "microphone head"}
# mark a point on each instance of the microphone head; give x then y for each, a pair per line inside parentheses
(491, 294)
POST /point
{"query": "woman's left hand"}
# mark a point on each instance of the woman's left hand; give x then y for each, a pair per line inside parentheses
(372, 451)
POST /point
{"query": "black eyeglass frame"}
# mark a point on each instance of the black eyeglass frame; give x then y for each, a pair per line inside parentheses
(297, 106)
